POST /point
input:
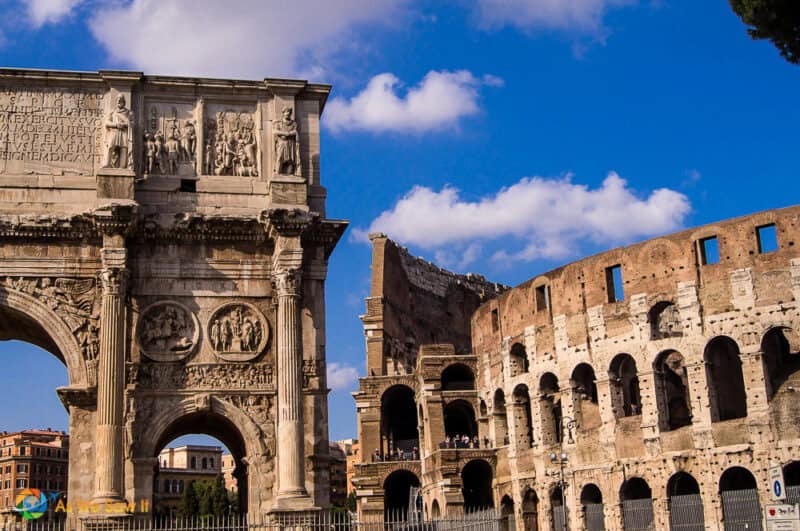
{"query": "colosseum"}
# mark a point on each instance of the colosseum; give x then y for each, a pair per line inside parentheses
(652, 386)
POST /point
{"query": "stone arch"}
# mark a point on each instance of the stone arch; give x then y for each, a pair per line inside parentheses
(476, 482)
(396, 491)
(399, 424)
(727, 395)
(741, 507)
(436, 511)
(584, 384)
(222, 420)
(500, 418)
(507, 521)
(626, 398)
(550, 409)
(523, 420)
(558, 509)
(592, 505)
(459, 419)
(637, 503)
(672, 391)
(518, 360)
(530, 510)
(458, 377)
(684, 502)
(664, 319)
(24, 317)
(780, 358)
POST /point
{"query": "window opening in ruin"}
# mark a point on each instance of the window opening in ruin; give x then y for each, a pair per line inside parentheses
(542, 294)
(592, 503)
(188, 185)
(624, 379)
(495, 321)
(458, 377)
(726, 389)
(459, 420)
(665, 320)
(587, 412)
(791, 477)
(767, 238)
(523, 421)
(530, 510)
(476, 478)
(672, 391)
(399, 429)
(637, 504)
(550, 409)
(500, 421)
(709, 251)
(781, 361)
(682, 484)
(558, 515)
(518, 360)
(507, 522)
(614, 284)
(396, 492)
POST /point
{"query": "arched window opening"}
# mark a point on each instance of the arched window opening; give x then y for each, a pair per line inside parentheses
(518, 360)
(530, 510)
(500, 420)
(781, 360)
(397, 494)
(625, 397)
(507, 520)
(665, 321)
(791, 477)
(558, 509)
(216, 445)
(436, 511)
(458, 377)
(399, 434)
(459, 421)
(672, 391)
(685, 503)
(741, 508)
(592, 503)
(476, 480)
(550, 409)
(587, 412)
(523, 423)
(637, 504)
(725, 380)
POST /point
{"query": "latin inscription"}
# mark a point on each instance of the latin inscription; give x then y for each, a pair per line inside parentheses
(49, 130)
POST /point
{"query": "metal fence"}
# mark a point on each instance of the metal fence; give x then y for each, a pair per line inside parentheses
(559, 518)
(638, 514)
(741, 510)
(686, 513)
(793, 494)
(595, 517)
(484, 520)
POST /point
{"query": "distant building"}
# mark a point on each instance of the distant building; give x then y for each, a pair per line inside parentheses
(178, 468)
(352, 450)
(228, 468)
(338, 475)
(31, 459)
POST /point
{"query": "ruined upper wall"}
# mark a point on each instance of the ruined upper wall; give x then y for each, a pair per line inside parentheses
(415, 303)
(173, 144)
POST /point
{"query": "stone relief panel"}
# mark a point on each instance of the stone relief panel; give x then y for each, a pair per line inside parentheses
(171, 376)
(170, 139)
(167, 331)
(50, 131)
(231, 137)
(238, 332)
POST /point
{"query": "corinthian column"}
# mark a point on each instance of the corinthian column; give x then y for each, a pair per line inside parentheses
(291, 466)
(109, 440)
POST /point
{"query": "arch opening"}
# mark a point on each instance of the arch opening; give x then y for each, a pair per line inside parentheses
(727, 394)
(523, 421)
(685, 503)
(781, 363)
(458, 377)
(530, 510)
(672, 391)
(592, 503)
(625, 396)
(397, 494)
(459, 420)
(399, 429)
(637, 504)
(500, 420)
(550, 409)
(587, 412)
(558, 508)
(518, 360)
(741, 508)
(476, 480)
(507, 521)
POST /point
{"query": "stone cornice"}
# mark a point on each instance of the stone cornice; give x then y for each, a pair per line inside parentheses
(115, 217)
(193, 226)
(63, 226)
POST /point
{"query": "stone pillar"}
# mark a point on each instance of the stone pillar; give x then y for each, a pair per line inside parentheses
(110, 449)
(291, 462)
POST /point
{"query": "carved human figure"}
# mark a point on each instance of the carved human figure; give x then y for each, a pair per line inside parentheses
(287, 144)
(160, 152)
(208, 158)
(149, 153)
(173, 152)
(118, 126)
(214, 334)
(189, 141)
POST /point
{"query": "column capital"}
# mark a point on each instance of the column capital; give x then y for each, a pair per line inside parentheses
(288, 282)
(115, 218)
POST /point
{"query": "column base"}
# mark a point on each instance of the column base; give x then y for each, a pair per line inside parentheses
(101, 521)
(292, 503)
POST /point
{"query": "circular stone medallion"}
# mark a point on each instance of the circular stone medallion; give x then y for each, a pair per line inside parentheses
(167, 331)
(237, 331)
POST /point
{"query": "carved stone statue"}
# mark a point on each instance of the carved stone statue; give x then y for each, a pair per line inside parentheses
(189, 142)
(118, 125)
(238, 331)
(287, 145)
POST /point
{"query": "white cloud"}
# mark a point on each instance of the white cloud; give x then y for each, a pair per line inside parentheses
(42, 12)
(550, 217)
(245, 38)
(437, 102)
(341, 377)
(582, 16)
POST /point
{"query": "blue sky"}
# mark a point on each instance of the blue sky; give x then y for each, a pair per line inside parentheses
(504, 137)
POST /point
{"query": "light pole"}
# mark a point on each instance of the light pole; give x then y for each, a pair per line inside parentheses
(563, 459)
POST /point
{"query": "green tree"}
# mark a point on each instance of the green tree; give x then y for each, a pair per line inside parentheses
(351, 502)
(776, 20)
(219, 497)
(190, 505)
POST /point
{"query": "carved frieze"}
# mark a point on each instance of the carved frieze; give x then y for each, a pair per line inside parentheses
(170, 139)
(167, 331)
(171, 376)
(231, 138)
(238, 331)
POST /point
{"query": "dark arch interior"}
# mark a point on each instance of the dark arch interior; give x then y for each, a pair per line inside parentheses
(219, 427)
(556, 498)
(518, 359)
(396, 491)
(476, 478)
(548, 383)
(458, 377)
(791, 474)
(625, 396)
(635, 489)
(500, 420)
(737, 478)
(17, 325)
(399, 420)
(726, 381)
(506, 506)
(672, 391)
(591, 494)
(459, 419)
(523, 418)
(681, 484)
(780, 363)
(584, 381)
